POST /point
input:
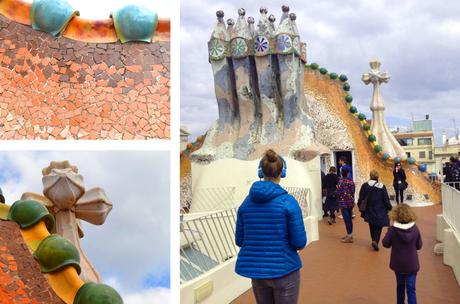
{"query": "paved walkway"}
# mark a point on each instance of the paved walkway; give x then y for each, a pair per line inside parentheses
(352, 273)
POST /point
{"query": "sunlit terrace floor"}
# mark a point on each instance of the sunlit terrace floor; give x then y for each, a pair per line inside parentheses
(353, 273)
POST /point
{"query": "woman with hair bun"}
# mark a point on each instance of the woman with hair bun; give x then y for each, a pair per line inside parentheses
(270, 231)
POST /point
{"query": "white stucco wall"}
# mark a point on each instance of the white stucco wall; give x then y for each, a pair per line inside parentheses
(452, 252)
(241, 174)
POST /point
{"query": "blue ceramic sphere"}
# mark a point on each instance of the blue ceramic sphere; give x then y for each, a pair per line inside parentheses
(422, 167)
(397, 159)
(135, 23)
(385, 156)
(411, 160)
(51, 16)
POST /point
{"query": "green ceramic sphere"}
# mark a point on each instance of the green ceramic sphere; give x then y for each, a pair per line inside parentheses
(346, 87)
(28, 213)
(372, 138)
(56, 252)
(333, 75)
(323, 71)
(411, 160)
(361, 116)
(385, 156)
(377, 148)
(348, 98)
(397, 159)
(353, 109)
(92, 293)
(366, 127)
(314, 66)
(343, 77)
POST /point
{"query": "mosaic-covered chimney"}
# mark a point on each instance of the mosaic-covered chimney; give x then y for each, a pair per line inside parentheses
(258, 73)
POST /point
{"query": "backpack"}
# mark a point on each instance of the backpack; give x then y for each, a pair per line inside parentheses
(456, 172)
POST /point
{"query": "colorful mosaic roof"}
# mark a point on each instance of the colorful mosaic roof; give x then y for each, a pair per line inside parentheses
(63, 89)
(20, 278)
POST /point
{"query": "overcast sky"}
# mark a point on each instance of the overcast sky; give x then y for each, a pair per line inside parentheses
(101, 9)
(131, 250)
(416, 40)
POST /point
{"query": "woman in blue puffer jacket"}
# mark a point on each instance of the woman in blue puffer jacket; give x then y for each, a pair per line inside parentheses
(270, 231)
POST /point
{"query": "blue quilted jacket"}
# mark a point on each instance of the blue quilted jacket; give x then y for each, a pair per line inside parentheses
(269, 230)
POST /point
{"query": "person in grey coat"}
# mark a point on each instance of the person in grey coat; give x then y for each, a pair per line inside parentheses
(378, 204)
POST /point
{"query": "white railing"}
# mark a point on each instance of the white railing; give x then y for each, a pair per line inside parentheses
(451, 206)
(213, 199)
(302, 195)
(206, 242)
(455, 185)
(209, 240)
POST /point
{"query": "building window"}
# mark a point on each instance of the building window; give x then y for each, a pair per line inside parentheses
(424, 141)
(408, 154)
(430, 154)
(406, 141)
(421, 154)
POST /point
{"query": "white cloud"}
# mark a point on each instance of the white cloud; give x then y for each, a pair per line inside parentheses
(146, 296)
(149, 296)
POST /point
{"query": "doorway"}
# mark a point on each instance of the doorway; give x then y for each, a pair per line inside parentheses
(349, 159)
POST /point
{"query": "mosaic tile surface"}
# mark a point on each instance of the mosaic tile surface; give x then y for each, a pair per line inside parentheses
(56, 88)
(20, 278)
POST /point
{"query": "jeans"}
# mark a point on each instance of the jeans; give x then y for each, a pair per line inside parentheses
(284, 290)
(403, 282)
(399, 193)
(376, 232)
(347, 218)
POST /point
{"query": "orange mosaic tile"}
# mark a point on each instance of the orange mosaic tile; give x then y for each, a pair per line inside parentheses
(57, 88)
(20, 278)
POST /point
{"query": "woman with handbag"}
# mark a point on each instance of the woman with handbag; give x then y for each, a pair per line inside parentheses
(399, 182)
(374, 205)
(330, 184)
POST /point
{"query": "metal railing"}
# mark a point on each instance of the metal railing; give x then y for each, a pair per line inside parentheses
(209, 240)
(302, 195)
(213, 199)
(455, 185)
(451, 206)
(206, 242)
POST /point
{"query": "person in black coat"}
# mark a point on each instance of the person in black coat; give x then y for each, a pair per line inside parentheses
(374, 196)
(330, 184)
(399, 182)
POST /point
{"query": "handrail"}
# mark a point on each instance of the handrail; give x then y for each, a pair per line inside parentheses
(451, 205)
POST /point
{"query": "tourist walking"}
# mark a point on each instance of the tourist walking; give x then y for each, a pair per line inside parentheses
(344, 165)
(346, 201)
(374, 204)
(453, 172)
(399, 182)
(330, 183)
(404, 240)
(270, 231)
